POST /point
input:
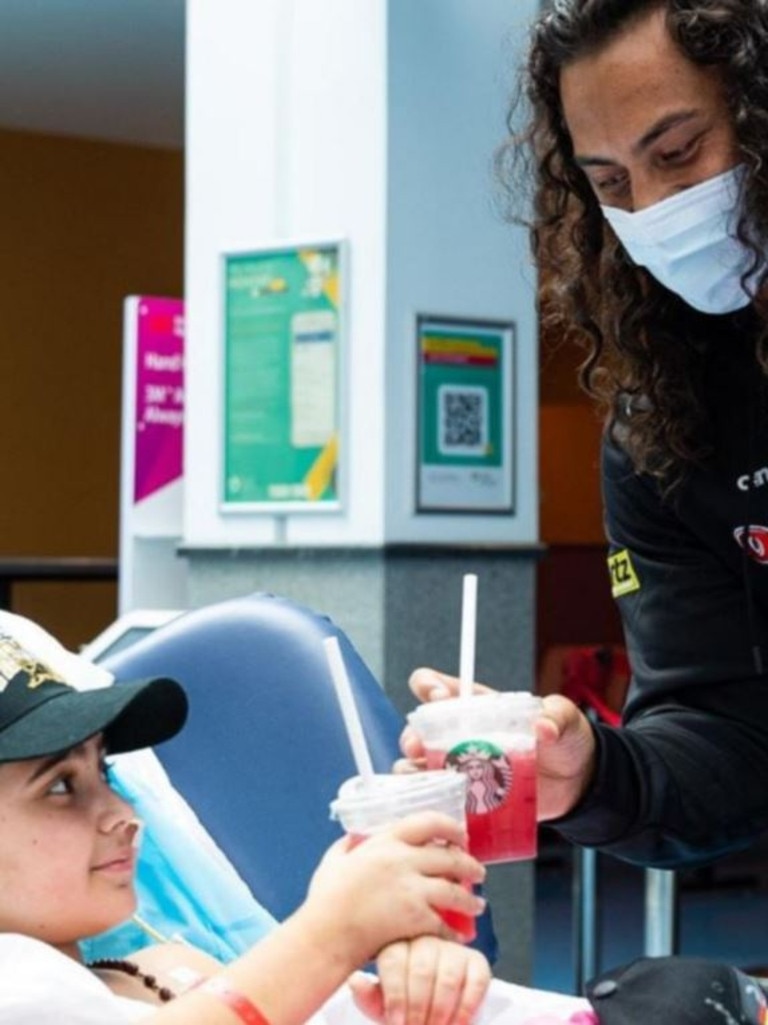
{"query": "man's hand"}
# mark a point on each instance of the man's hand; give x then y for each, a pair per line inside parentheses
(566, 743)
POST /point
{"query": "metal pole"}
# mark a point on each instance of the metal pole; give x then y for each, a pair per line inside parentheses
(661, 912)
(585, 921)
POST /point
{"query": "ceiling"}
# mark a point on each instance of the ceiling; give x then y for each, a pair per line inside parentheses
(98, 69)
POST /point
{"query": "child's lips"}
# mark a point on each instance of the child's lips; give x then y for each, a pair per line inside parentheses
(123, 862)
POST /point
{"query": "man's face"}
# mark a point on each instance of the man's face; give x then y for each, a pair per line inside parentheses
(645, 122)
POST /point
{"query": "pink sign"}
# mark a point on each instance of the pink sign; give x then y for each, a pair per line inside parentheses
(159, 395)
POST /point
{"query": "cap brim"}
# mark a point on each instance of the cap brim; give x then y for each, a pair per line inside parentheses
(130, 715)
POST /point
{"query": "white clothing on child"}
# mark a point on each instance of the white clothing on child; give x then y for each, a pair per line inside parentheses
(41, 986)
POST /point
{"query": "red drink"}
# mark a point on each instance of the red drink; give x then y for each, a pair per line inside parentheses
(501, 798)
(490, 741)
(463, 925)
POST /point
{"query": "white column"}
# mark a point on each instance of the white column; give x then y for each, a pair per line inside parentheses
(286, 140)
(374, 121)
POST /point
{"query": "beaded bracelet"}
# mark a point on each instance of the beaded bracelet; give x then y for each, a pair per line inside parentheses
(237, 1002)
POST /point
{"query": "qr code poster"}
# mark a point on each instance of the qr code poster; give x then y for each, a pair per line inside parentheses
(462, 420)
(465, 416)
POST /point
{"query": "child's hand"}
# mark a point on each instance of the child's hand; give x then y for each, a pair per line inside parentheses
(426, 981)
(388, 887)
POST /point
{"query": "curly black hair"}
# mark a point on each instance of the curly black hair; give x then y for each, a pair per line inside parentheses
(642, 358)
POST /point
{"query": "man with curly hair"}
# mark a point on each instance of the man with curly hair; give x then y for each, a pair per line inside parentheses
(647, 143)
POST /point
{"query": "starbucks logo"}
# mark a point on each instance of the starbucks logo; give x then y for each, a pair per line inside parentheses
(489, 774)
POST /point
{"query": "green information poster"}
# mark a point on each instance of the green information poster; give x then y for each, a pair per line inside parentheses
(281, 366)
(465, 416)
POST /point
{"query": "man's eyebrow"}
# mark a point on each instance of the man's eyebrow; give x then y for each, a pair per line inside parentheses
(664, 124)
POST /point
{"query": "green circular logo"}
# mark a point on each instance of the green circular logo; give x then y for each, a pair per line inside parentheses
(489, 774)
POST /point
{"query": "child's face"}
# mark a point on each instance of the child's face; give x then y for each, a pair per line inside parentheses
(66, 848)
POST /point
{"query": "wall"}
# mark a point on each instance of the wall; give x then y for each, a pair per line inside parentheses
(573, 599)
(452, 69)
(83, 225)
(286, 136)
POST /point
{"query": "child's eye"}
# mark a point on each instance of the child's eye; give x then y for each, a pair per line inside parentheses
(61, 786)
(106, 768)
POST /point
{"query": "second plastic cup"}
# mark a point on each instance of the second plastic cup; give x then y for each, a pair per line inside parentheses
(489, 740)
(367, 807)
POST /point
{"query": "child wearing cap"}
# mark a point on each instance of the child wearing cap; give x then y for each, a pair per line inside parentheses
(67, 859)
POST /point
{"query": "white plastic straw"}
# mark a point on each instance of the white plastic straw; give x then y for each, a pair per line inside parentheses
(468, 624)
(348, 708)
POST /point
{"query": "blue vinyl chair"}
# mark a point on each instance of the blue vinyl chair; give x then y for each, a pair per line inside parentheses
(265, 748)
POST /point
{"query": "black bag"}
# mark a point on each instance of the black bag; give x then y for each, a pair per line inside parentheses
(678, 991)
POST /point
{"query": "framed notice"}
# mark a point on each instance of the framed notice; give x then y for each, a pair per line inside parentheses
(465, 415)
(282, 377)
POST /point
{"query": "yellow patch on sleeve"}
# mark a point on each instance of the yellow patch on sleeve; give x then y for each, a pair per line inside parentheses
(623, 577)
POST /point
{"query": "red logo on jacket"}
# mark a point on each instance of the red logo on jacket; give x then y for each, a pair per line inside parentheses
(756, 541)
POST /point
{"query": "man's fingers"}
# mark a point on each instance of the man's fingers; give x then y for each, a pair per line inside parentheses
(406, 765)
(411, 745)
(431, 685)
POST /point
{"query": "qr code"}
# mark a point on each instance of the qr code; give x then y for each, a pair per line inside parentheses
(462, 428)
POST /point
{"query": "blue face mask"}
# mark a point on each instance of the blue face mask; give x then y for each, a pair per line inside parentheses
(686, 242)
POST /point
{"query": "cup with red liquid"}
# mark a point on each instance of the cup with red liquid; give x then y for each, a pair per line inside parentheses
(489, 740)
(368, 806)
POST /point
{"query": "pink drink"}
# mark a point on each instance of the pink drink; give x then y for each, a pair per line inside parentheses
(490, 740)
(501, 799)
(366, 807)
(463, 925)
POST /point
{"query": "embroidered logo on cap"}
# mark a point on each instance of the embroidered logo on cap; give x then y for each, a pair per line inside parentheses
(14, 660)
(623, 577)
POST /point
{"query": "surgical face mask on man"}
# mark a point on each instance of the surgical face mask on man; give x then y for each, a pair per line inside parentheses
(687, 243)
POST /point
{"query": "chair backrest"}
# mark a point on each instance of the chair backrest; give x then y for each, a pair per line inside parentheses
(265, 748)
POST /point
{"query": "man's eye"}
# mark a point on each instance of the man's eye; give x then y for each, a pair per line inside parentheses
(612, 186)
(675, 156)
(679, 154)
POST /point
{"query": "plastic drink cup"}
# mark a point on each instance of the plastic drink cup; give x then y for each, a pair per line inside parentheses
(366, 807)
(489, 739)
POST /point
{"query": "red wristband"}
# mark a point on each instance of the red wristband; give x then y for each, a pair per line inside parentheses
(239, 1004)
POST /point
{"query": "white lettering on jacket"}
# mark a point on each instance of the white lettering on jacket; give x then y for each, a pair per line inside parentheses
(758, 479)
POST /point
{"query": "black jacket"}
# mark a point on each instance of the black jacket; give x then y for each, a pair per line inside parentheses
(686, 779)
